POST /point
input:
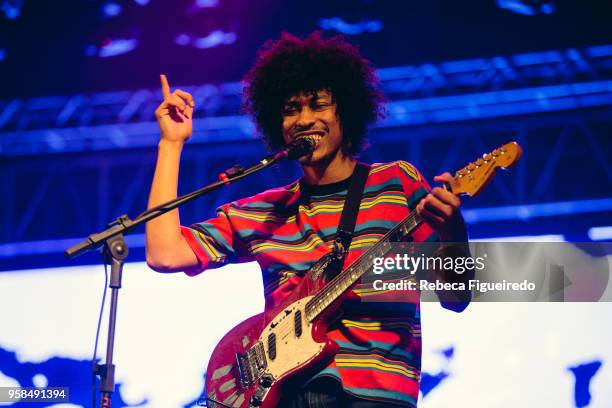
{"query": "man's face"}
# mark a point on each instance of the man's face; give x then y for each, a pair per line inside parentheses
(313, 114)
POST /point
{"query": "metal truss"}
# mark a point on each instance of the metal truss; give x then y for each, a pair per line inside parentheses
(430, 93)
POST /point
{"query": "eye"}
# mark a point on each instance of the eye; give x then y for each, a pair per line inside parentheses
(289, 110)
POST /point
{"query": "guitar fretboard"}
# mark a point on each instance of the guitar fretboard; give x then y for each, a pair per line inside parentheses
(344, 280)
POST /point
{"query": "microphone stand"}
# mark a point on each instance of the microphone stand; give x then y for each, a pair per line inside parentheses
(115, 249)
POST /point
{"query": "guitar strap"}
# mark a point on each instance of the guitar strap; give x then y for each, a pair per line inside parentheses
(348, 218)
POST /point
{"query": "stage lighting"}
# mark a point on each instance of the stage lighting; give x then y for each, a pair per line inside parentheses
(111, 47)
(207, 3)
(11, 8)
(528, 7)
(117, 46)
(340, 25)
(214, 39)
(111, 9)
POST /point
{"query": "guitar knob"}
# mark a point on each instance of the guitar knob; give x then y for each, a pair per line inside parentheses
(266, 381)
(257, 398)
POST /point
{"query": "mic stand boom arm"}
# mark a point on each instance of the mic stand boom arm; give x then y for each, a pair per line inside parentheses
(115, 250)
(123, 224)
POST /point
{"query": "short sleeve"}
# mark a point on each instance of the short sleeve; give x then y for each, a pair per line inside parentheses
(215, 242)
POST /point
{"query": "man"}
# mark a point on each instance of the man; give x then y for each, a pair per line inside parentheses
(320, 88)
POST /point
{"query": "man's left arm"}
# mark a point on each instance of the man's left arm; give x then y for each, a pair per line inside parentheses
(441, 210)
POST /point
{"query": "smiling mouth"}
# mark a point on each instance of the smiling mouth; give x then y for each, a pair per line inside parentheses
(316, 135)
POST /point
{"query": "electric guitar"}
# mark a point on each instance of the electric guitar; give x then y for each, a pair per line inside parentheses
(253, 361)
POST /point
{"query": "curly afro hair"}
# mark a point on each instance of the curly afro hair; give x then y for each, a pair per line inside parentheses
(291, 65)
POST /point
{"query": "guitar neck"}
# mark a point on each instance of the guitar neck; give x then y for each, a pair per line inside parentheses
(344, 280)
(469, 180)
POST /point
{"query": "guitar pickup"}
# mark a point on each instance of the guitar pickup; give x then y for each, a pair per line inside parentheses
(272, 346)
(298, 323)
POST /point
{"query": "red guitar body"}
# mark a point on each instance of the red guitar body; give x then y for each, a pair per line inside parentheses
(268, 352)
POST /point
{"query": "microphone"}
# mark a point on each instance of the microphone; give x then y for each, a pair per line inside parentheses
(300, 147)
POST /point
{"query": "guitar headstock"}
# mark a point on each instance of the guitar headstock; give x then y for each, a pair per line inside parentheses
(475, 176)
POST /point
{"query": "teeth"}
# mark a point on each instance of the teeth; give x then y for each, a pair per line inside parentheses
(315, 136)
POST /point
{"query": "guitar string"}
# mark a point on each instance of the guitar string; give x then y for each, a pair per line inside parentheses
(284, 328)
(413, 218)
(412, 221)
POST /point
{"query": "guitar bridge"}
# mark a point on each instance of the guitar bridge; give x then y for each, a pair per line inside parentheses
(251, 364)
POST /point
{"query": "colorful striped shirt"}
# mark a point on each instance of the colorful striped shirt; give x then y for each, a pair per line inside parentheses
(286, 230)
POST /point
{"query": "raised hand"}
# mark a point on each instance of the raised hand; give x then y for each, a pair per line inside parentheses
(174, 114)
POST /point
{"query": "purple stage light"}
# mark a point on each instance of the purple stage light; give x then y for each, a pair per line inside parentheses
(207, 3)
(117, 46)
(214, 39)
(111, 9)
(182, 39)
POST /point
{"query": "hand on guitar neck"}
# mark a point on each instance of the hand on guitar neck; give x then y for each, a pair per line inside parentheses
(441, 209)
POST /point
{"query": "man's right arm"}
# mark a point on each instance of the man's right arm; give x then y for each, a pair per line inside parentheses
(167, 249)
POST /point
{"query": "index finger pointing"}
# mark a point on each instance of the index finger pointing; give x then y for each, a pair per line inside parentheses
(165, 87)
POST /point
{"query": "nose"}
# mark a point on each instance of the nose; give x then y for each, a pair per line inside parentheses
(306, 118)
